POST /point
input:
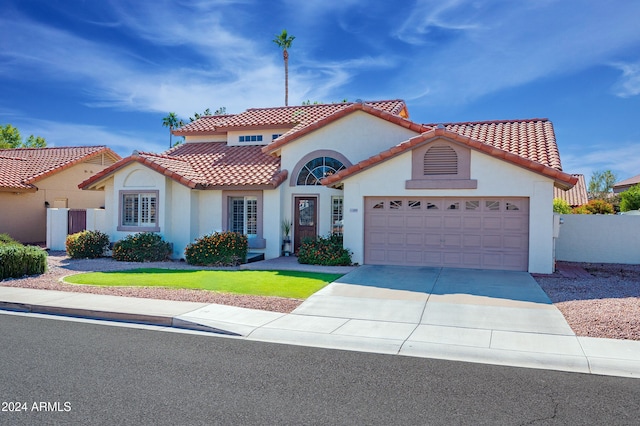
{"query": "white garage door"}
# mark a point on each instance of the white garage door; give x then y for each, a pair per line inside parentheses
(484, 233)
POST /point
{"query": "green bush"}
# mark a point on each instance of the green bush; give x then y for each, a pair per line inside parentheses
(630, 199)
(6, 239)
(324, 251)
(142, 247)
(218, 249)
(561, 206)
(596, 206)
(86, 244)
(17, 261)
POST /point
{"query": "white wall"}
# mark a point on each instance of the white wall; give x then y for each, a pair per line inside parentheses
(599, 238)
(496, 178)
(357, 136)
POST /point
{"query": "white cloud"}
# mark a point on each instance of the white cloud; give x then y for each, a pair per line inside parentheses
(629, 83)
(621, 160)
(476, 48)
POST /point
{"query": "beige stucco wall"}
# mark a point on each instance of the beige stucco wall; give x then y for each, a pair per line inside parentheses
(24, 216)
(496, 178)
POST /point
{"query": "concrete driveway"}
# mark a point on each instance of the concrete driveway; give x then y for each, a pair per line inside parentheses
(440, 297)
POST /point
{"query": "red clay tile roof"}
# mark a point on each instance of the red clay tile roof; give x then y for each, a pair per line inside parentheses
(523, 143)
(209, 165)
(305, 128)
(533, 139)
(575, 196)
(20, 168)
(288, 117)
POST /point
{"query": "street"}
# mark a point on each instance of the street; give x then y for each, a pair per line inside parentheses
(63, 372)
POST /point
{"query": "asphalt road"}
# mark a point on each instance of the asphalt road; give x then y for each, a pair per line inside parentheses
(61, 372)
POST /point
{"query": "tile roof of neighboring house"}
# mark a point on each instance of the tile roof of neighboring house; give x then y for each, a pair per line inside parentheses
(21, 168)
(288, 117)
(532, 146)
(206, 165)
(575, 196)
(626, 184)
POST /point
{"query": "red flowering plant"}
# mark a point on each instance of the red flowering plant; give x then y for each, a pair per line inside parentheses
(218, 249)
(327, 251)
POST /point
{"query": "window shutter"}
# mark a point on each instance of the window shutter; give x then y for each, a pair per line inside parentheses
(440, 160)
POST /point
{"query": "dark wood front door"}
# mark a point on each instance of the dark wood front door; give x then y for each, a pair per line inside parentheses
(306, 220)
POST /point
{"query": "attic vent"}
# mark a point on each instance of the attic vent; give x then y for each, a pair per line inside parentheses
(440, 160)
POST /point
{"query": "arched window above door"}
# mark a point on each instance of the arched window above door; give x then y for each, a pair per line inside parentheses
(317, 169)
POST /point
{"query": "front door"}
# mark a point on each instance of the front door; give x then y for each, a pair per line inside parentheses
(306, 220)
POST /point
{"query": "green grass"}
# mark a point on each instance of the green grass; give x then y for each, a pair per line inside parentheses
(291, 284)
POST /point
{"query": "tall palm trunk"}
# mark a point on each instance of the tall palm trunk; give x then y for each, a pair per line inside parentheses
(285, 54)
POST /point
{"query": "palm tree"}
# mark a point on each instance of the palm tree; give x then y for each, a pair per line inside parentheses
(283, 40)
(171, 121)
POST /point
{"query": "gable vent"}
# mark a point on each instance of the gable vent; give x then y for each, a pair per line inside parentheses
(440, 160)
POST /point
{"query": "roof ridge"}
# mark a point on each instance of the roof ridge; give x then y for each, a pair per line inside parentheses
(324, 104)
(25, 148)
(523, 120)
(166, 156)
(13, 158)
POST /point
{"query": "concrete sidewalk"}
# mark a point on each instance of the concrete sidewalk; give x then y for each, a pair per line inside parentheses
(453, 316)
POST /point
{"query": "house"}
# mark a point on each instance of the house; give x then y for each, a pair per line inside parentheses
(33, 179)
(575, 196)
(626, 184)
(471, 195)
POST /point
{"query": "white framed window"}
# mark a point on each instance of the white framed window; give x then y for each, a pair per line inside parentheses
(250, 138)
(337, 209)
(243, 215)
(138, 211)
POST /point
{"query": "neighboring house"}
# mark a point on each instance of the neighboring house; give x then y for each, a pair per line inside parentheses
(626, 184)
(33, 179)
(470, 195)
(575, 196)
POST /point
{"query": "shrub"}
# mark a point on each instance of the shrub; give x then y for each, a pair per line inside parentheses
(324, 251)
(6, 239)
(630, 199)
(17, 261)
(561, 206)
(86, 244)
(142, 247)
(595, 207)
(218, 249)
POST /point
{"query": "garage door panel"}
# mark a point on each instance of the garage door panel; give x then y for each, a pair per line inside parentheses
(396, 221)
(490, 233)
(377, 221)
(452, 222)
(414, 239)
(415, 222)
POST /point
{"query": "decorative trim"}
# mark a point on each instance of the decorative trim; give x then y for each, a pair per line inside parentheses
(441, 184)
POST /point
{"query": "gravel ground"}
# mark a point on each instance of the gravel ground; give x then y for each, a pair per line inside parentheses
(604, 302)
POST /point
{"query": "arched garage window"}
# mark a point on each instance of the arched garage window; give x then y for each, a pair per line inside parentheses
(317, 169)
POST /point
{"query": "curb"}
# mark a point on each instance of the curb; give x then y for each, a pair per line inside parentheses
(156, 320)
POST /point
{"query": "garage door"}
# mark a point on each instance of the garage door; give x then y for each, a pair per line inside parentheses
(485, 233)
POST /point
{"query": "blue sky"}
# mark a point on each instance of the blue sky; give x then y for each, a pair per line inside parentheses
(106, 72)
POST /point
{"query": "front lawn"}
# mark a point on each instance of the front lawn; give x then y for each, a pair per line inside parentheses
(291, 284)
